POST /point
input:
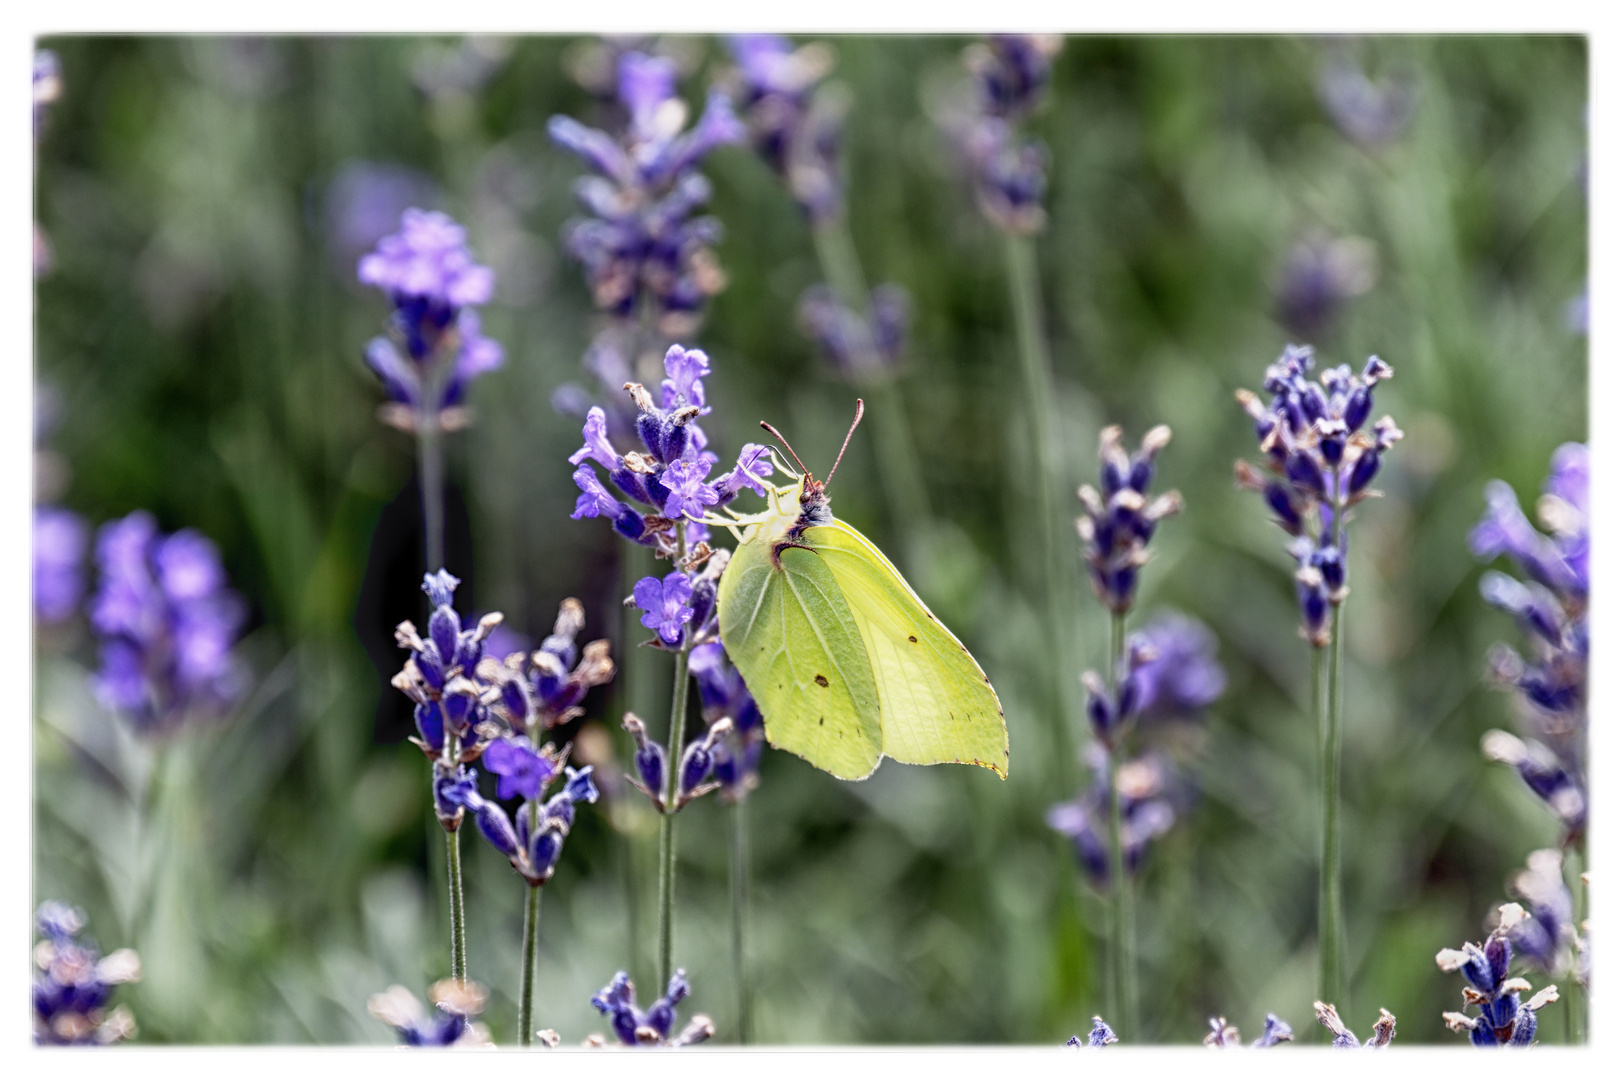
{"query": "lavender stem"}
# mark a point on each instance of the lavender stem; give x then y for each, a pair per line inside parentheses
(1121, 895)
(526, 994)
(459, 933)
(1021, 256)
(667, 826)
(1328, 704)
(431, 476)
(740, 875)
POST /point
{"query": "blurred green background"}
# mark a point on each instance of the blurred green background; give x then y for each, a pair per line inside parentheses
(200, 331)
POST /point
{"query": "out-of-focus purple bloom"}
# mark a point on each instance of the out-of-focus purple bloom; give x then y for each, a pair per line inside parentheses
(1011, 71)
(865, 349)
(166, 622)
(1100, 1037)
(1321, 462)
(60, 539)
(722, 694)
(1146, 809)
(640, 239)
(1371, 113)
(1544, 933)
(365, 201)
(451, 1025)
(634, 1027)
(1119, 520)
(1178, 673)
(47, 87)
(1385, 1028)
(73, 983)
(665, 604)
(795, 126)
(1225, 1036)
(1320, 274)
(434, 347)
(1552, 678)
(1503, 1018)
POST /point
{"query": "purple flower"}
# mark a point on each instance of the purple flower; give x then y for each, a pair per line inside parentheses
(60, 539)
(796, 130)
(1371, 113)
(557, 682)
(1385, 1028)
(435, 346)
(863, 347)
(1319, 276)
(1120, 518)
(597, 447)
(1011, 71)
(454, 1002)
(1179, 674)
(1502, 1019)
(166, 622)
(1098, 1038)
(1225, 1036)
(1147, 813)
(73, 983)
(640, 239)
(634, 1027)
(523, 772)
(665, 604)
(688, 492)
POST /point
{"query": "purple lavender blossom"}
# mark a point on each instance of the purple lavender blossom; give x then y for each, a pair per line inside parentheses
(1225, 1036)
(60, 539)
(533, 839)
(1544, 933)
(1146, 808)
(1385, 1028)
(166, 622)
(1373, 114)
(451, 1025)
(865, 349)
(1552, 609)
(560, 673)
(1322, 462)
(722, 694)
(434, 347)
(74, 983)
(523, 772)
(640, 240)
(794, 127)
(1119, 522)
(47, 88)
(1011, 71)
(665, 604)
(1319, 276)
(1178, 674)
(634, 1027)
(1100, 1037)
(1502, 1019)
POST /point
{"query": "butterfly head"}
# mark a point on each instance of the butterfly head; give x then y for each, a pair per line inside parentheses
(814, 492)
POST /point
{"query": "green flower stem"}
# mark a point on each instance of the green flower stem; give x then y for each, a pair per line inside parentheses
(459, 933)
(431, 477)
(1332, 987)
(1573, 995)
(740, 875)
(1058, 591)
(902, 478)
(667, 825)
(1123, 1002)
(526, 992)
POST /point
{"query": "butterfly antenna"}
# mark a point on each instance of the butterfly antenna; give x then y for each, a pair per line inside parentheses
(787, 447)
(855, 421)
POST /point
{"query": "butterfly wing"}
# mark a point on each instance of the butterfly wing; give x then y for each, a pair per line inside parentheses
(936, 704)
(790, 632)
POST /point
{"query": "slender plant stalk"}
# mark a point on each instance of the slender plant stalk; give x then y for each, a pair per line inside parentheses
(667, 825)
(526, 993)
(1058, 594)
(1124, 1006)
(902, 477)
(459, 933)
(1576, 998)
(431, 477)
(740, 875)
(1331, 977)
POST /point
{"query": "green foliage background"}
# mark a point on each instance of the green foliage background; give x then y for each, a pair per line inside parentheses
(205, 348)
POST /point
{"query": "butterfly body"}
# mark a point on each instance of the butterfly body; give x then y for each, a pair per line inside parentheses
(847, 664)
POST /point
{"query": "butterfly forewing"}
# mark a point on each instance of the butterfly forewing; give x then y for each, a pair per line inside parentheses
(791, 634)
(936, 705)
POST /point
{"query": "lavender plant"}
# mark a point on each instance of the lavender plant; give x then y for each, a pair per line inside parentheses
(1320, 464)
(671, 478)
(1320, 275)
(432, 349)
(1100, 1037)
(73, 983)
(60, 539)
(1010, 75)
(1166, 671)
(1342, 1039)
(1372, 113)
(456, 1002)
(651, 1027)
(1551, 682)
(1503, 1018)
(166, 622)
(1225, 1036)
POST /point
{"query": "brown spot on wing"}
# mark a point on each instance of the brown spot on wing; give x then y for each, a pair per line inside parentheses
(820, 680)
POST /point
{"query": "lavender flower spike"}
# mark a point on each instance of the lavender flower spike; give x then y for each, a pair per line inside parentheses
(60, 540)
(455, 1002)
(1120, 518)
(1385, 1028)
(1502, 1019)
(634, 1027)
(74, 983)
(1100, 1037)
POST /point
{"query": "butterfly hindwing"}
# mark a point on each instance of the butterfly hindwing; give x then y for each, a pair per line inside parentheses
(791, 634)
(936, 705)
